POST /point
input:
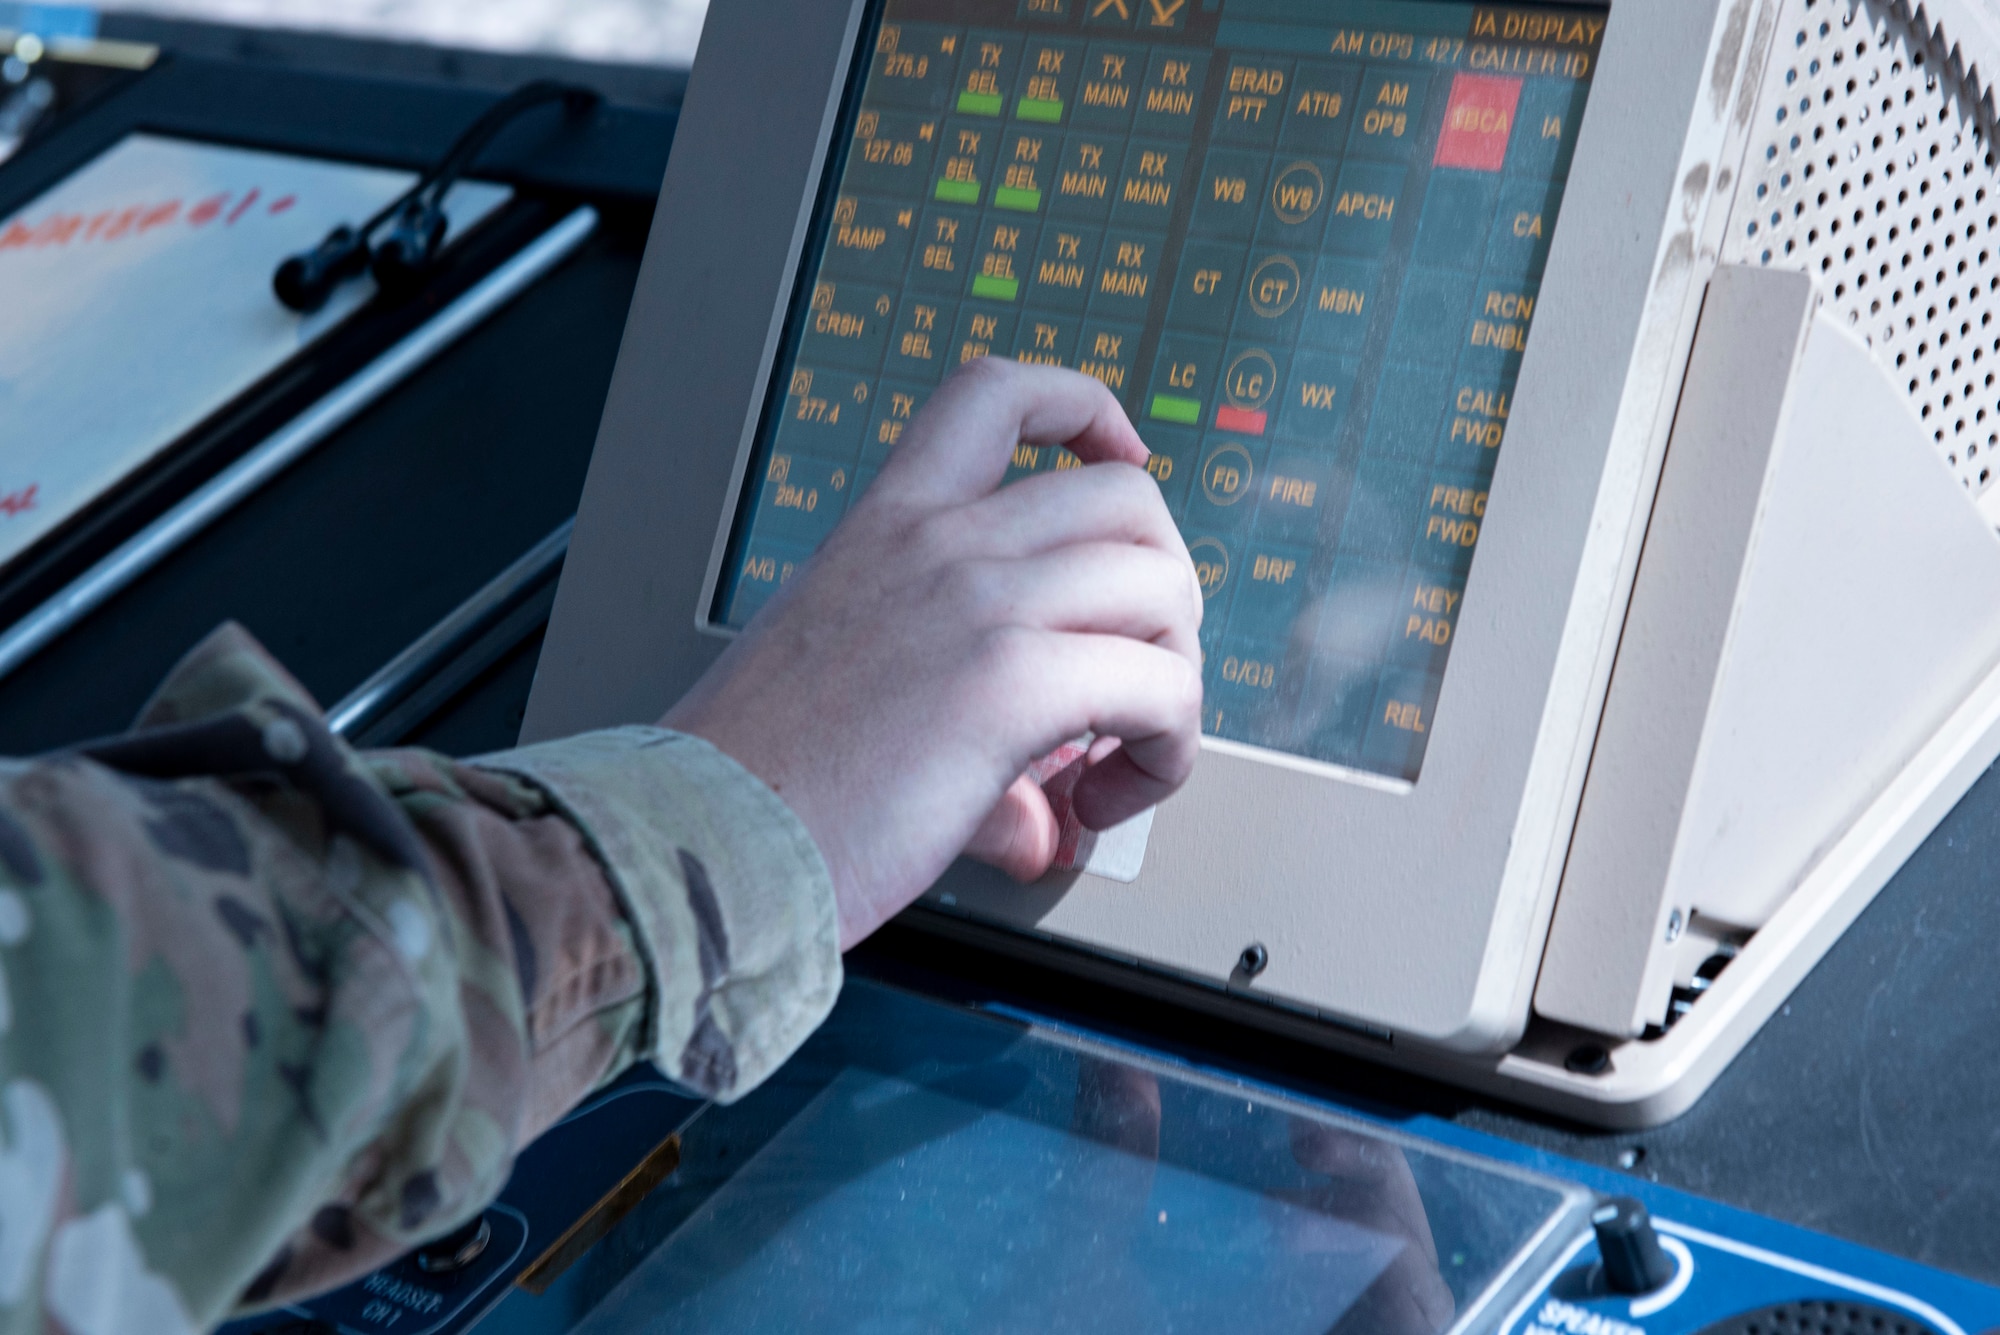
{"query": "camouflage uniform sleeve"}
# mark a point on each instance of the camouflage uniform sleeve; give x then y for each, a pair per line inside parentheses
(272, 1012)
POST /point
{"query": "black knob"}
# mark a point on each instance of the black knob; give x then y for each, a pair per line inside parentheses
(456, 1249)
(1634, 1261)
(403, 257)
(304, 281)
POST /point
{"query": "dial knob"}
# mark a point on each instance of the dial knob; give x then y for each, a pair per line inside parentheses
(1634, 1261)
(456, 1249)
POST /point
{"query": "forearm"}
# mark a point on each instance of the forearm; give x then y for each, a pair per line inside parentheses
(279, 1011)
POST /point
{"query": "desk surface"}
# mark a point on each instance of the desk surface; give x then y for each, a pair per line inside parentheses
(1869, 1107)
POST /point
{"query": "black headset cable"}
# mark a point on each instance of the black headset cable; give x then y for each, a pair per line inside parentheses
(306, 280)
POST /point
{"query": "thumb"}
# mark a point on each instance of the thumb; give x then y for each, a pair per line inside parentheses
(1020, 834)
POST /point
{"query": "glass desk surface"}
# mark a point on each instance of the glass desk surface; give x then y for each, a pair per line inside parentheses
(918, 1167)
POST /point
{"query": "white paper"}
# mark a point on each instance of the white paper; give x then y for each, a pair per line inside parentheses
(135, 300)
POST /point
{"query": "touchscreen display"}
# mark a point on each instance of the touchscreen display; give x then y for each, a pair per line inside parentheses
(1301, 240)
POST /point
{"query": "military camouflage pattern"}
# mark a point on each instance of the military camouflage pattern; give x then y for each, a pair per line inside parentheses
(272, 1012)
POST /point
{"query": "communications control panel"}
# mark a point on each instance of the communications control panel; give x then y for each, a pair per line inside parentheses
(1302, 250)
(1573, 411)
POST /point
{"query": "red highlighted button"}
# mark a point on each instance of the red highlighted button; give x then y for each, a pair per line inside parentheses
(1243, 421)
(1477, 122)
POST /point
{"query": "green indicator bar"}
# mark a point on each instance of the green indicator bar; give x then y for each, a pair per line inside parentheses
(1004, 289)
(1039, 109)
(957, 192)
(1014, 197)
(1171, 407)
(979, 104)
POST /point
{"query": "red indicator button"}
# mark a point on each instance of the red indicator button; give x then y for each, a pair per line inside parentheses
(1477, 122)
(1243, 421)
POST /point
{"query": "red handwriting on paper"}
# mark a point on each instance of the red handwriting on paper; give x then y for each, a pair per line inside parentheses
(118, 224)
(205, 212)
(15, 502)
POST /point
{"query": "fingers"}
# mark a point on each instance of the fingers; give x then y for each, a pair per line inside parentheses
(1020, 834)
(1098, 573)
(1124, 784)
(958, 448)
(1147, 696)
(1050, 510)
(1104, 588)
(1100, 593)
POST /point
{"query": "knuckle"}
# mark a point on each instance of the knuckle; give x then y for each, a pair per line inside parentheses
(934, 534)
(886, 505)
(1135, 486)
(1005, 659)
(973, 586)
(1188, 687)
(1100, 391)
(1111, 487)
(1139, 484)
(1190, 582)
(1180, 692)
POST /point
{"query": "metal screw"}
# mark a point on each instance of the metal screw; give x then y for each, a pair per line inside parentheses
(1253, 959)
(1587, 1059)
(1631, 1158)
(1675, 924)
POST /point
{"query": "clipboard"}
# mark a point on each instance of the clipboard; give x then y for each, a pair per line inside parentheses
(137, 301)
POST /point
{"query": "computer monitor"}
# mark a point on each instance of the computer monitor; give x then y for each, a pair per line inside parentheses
(1403, 295)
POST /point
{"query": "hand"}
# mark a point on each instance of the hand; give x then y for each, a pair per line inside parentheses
(949, 632)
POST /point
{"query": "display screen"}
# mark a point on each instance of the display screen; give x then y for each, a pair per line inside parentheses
(1301, 240)
(923, 1168)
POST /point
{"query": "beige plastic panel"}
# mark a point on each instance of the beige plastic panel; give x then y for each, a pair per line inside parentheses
(1789, 649)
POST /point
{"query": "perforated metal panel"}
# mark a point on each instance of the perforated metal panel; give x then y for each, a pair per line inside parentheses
(1869, 167)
